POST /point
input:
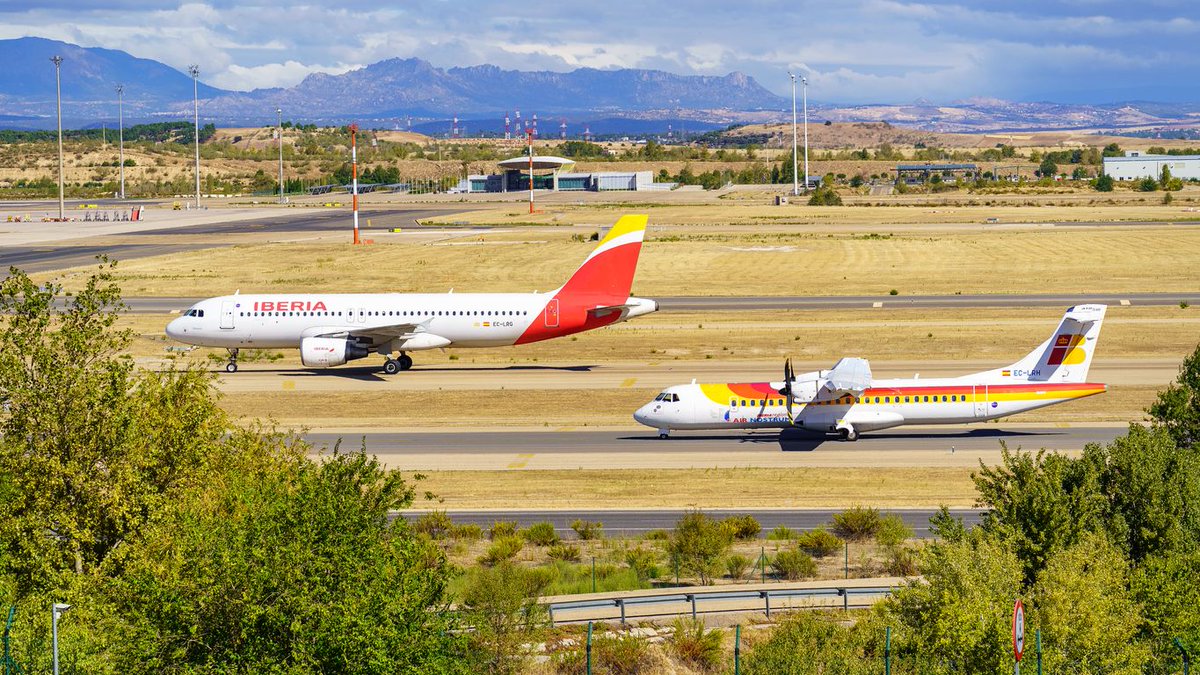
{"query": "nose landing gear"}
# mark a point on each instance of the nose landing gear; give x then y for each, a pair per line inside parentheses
(232, 366)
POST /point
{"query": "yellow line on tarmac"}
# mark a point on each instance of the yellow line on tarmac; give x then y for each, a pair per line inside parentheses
(628, 382)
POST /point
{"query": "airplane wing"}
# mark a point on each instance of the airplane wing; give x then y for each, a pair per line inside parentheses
(850, 376)
(376, 334)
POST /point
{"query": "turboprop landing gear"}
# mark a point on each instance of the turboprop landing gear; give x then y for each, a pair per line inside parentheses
(664, 434)
(848, 433)
(231, 367)
(393, 366)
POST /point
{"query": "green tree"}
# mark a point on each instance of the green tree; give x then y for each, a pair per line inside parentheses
(1103, 183)
(1047, 168)
(698, 544)
(92, 448)
(1177, 408)
(282, 564)
(1165, 585)
(1089, 619)
(501, 605)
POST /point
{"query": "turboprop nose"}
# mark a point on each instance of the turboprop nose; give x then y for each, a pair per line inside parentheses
(646, 414)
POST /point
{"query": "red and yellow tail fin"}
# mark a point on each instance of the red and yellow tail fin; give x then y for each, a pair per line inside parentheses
(606, 277)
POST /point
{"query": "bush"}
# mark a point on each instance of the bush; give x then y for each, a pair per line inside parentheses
(696, 647)
(644, 562)
(736, 565)
(794, 564)
(435, 525)
(825, 196)
(856, 524)
(658, 535)
(781, 533)
(698, 545)
(564, 552)
(541, 534)
(1103, 183)
(901, 562)
(742, 528)
(587, 529)
(819, 543)
(502, 548)
(502, 528)
(1146, 185)
(621, 655)
(467, 531)
(892, 531)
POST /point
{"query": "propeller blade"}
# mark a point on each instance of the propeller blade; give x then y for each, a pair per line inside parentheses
(788, 377)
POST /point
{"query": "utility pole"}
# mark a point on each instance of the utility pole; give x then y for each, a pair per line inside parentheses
(795, 158)
(121, 127)
(805, 81)
(279, 111)
(58, 87)
(194, 71)
(529, 137)
(354, 174)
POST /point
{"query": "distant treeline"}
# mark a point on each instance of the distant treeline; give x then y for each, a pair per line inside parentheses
(159, 132)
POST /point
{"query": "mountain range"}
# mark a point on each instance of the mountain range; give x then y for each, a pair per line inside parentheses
(385, 93)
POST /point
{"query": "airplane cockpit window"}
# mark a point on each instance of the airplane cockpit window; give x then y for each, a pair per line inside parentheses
(675, 398)
(198, 313)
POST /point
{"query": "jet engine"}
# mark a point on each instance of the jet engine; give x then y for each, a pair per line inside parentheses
(319, 352)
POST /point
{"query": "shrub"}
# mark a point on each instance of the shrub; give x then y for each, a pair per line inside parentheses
(892, 531)
(467, 531)
(644, 562)
(794, 564)
(503, 548)
(893, 292)
(901, 562)
(736, 565)
(857, 523)
(742, 527)
(695, 646)
(698, 544)
(819, 543)
(541, 534)
(1103, 183)
(825, 196)
(435, 525)
(564, 552)
(621, 654)
(781, 533)
(502, 528)
(657, 535)
(587, 529)
(1146, 185)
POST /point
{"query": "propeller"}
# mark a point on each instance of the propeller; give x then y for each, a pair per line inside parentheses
(788, 377)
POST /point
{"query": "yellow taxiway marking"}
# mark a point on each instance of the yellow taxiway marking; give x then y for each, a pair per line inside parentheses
(628, 382)
(522, 460)
(289, 385)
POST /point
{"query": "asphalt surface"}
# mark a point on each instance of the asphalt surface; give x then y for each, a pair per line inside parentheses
(639, 442)
(163, 305)
(639, 522)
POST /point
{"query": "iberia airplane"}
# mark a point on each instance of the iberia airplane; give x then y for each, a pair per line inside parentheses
(331, 329)
(847, 401)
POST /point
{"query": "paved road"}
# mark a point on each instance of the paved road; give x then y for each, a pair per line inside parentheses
(615, 443)
(639, 522)
(143, 305)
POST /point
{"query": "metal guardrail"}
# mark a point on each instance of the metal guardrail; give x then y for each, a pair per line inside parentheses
(625, 606)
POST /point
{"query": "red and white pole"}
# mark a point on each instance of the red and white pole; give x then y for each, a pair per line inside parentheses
(354, 173)
(529, 136)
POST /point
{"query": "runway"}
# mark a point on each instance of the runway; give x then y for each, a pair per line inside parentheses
(163, 305)
(517, 450)
(632, 523)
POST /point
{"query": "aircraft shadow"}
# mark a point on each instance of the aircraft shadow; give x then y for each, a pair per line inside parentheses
(800, 440)
(375, 373)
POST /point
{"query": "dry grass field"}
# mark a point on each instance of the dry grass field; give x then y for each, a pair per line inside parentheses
(704, 258)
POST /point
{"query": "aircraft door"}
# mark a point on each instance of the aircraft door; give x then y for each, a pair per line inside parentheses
(227, 308)
(551, 313)
(981, 400)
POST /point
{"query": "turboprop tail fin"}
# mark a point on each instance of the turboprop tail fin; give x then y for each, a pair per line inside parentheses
(1067, 355)
(606, 277)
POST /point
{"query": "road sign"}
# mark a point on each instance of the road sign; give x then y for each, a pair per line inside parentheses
(1018, 630)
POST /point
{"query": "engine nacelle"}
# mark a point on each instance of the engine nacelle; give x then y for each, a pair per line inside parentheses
(319, 352)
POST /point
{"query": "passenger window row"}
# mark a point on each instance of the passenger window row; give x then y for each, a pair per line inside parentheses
(380, 313)
(847, 400)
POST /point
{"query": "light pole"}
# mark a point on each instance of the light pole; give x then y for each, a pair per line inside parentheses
(795, 177)
(121, 132)
(279, 111)
(804, 80)
(58, 87)
(56, 609)
(194, 71)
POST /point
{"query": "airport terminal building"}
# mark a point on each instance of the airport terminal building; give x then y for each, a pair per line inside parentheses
(1136, 165)
(553, 173)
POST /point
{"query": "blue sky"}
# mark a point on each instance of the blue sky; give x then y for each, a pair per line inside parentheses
(854, 51)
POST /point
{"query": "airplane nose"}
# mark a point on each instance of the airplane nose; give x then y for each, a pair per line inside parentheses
(642, 416)
(174, 329)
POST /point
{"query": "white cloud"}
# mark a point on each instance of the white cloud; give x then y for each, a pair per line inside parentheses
(286, 74)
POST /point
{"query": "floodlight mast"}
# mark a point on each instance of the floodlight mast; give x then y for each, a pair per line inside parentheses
(279, 112)
(121, 127)
(354, 176)
(194, 71)
(529, 136)
(795, 178)
(58, 87)
(805, 81)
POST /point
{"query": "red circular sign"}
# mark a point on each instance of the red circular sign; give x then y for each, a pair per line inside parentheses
(1018, 630)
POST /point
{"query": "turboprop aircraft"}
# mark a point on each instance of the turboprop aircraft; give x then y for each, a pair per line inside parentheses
(331, 329)
(847, 401)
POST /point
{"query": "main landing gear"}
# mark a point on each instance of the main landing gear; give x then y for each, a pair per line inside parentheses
(392, 366)
(848, 433)
(231, 367)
